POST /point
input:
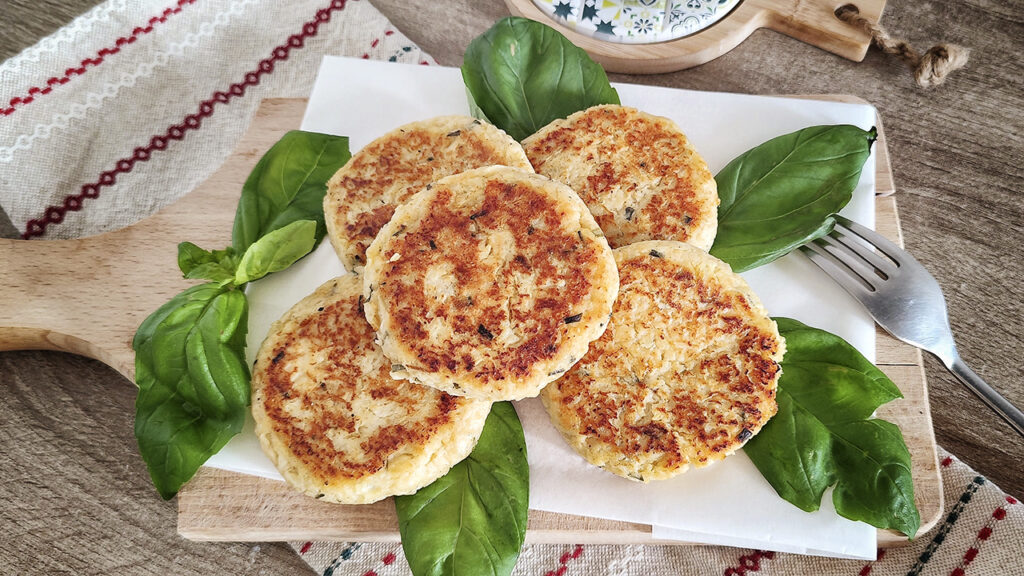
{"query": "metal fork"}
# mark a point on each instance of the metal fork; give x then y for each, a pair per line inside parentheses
(902, 297)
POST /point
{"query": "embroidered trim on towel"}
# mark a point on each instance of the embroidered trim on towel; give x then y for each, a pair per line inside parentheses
(54, 215)
(66, 35)
(95, 100)
(345, 555)
(387, 560)
(983, 534)
(563, 561)
(749, 563)
(951, 519)
(96, 60)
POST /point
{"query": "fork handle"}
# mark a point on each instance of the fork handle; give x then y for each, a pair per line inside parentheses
(1013, 416)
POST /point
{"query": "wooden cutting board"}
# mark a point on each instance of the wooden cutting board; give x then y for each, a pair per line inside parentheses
(812, 21)
(88, 296)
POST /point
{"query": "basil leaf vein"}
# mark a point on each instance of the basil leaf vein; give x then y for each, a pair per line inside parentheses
(824, 434)
(288, 184)
(783, 193)
(472, 520)
(522, 75)
(276, 251)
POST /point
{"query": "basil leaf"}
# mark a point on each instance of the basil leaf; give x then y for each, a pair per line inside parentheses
(189, 354)
(823, 434)
(174, 437)
(193, 381)
(523, 74)
(276, 251)
(781, 194)
(472, 520)
(216, 265)
(288, 184)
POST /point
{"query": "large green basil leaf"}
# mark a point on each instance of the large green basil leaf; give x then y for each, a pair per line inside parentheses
(522, 75)
(472, 520)
(783, 193)
(276, 251)
(174, 436)
(288, 184)
(824, 434)
(193, 381)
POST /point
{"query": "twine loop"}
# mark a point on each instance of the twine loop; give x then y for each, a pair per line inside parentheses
(930, 68)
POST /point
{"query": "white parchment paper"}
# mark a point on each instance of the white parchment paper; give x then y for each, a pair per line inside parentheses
(727, 503)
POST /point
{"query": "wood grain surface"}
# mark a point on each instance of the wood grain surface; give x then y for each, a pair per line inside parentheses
(219, 505)
(74, 495)
(812, 21)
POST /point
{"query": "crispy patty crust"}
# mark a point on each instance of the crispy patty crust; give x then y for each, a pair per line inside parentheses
(334, 422)
(489, 284)
(363, 194)
(638, 174)
(685, 374)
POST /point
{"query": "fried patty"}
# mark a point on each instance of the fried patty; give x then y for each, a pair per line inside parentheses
(685, 374)
(638, 174)
(334, 422)
(489, 284)
(363, 194)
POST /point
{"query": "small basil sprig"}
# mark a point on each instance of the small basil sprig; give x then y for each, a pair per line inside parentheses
(189, 354)
(783, 193)
(523, 74)
(472, 520)
(824, 434)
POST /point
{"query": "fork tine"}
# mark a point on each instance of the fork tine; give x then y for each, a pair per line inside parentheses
(843, 255)
(874, 238)
(843, 235)
(852, 283)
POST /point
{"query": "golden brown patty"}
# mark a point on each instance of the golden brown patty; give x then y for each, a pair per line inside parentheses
(490, 284)
(333, 421)
(363, 194)
(685, 374)
(638, 174)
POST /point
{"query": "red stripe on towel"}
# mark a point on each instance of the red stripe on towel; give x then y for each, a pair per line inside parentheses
(83, 66)
(983, 534)
(55, 214)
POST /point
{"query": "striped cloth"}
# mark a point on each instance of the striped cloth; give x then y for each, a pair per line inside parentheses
(981, 534)
(134, 103)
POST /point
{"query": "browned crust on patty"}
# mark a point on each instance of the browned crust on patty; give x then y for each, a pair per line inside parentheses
(490, 283)
(334, 421)
(363, 194)
(685, 374)
(638, 174)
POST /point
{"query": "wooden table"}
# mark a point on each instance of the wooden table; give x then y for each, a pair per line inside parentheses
(74, 493)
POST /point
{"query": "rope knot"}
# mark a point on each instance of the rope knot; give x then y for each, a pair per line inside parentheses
(930, 69)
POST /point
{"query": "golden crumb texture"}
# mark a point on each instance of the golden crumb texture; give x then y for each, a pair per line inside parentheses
(685, 374)
(335, 423)
(363, 194)
(639, 175)
(489, 284)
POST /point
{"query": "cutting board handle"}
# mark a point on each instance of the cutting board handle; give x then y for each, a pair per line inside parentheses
(88, 296)
(815, 22)
(76, 296)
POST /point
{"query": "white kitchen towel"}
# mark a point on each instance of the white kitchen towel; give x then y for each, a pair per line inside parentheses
(133, 104)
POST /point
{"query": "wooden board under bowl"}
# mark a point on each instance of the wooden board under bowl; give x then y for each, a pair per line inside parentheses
(812, 21)
(88, 296)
